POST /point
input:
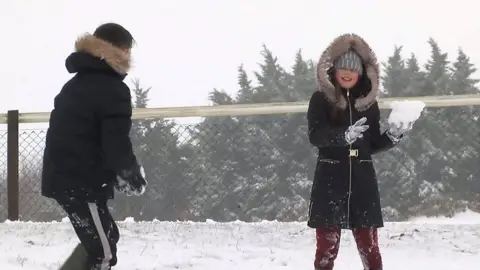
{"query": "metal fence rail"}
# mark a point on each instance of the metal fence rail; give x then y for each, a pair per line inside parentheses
(254, 162)
(257, 108)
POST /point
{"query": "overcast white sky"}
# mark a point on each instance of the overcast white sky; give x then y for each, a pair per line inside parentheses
(186, 48)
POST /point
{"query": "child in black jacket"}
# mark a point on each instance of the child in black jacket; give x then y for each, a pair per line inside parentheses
(88, 149)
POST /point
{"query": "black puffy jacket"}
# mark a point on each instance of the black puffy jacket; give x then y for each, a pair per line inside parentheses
(88, 141)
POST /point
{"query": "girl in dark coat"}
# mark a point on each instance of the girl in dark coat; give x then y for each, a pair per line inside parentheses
(343, 122)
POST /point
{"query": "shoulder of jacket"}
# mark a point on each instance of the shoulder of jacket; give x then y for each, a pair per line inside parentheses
(318, 97)
(113, 86)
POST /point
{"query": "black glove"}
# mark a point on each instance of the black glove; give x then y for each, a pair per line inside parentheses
(131, 181)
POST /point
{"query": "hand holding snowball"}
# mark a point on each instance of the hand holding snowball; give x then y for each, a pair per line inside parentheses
(403, 116)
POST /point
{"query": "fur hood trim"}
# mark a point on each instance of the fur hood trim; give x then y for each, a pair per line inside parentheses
(115, 57)
(339, 46)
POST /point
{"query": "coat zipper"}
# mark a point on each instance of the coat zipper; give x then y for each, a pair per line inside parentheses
(349, 161)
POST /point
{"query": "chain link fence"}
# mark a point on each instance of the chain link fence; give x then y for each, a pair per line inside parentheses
(3, 175)
(253, 168)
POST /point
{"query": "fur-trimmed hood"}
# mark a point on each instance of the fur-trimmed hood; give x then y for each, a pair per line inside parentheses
(115, 57)
(339, 46)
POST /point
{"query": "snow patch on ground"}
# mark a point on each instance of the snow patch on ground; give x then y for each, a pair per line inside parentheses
(423, 243)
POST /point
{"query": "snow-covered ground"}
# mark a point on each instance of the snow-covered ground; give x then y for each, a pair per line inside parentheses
(440, 244)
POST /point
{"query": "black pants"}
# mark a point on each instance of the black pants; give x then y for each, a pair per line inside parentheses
(96, 230)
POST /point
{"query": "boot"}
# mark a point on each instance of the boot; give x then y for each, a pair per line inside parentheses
(77, 260)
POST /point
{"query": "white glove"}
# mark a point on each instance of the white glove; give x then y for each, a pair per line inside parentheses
(355, 131)
(396, 131)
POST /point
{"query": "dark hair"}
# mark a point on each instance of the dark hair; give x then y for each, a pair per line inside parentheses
(115, 34)
(334, 112)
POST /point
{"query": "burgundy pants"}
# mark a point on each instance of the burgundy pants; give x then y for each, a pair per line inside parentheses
(328, 243)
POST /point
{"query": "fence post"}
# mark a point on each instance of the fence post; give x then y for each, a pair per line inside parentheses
(12, 164)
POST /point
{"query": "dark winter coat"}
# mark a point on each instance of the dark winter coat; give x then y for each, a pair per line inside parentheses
(88, 141)
(345, 191)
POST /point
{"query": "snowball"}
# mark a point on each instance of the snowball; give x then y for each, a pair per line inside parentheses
(405, 112)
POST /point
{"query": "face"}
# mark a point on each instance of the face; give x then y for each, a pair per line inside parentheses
(346, 78)
(128, 51)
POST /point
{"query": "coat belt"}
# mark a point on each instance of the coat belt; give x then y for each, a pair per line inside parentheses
(353, 152)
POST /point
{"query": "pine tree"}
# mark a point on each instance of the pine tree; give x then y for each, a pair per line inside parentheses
(167, 160)
(283, 149)
(140, 94)
(140, 101)
(437, 71)
(246, 93)
(272, 80)
(304, 84)
(435, 173)
(397, 180)
(394, 81)
(461, 81)
(157, 147)
(260, 166)
(413, 67)
(464, 187)
(442, 136)
(425, 141)
(303, 78)
(220, 98)
(226, 174)
(261, 161)
(415, 77)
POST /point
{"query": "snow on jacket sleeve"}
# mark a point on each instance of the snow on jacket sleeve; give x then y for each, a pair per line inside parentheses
(320, 132)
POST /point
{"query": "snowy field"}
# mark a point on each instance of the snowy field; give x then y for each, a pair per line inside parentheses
(440, 244)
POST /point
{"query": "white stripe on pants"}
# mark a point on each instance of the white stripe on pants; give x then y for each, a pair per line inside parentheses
(107, 252)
